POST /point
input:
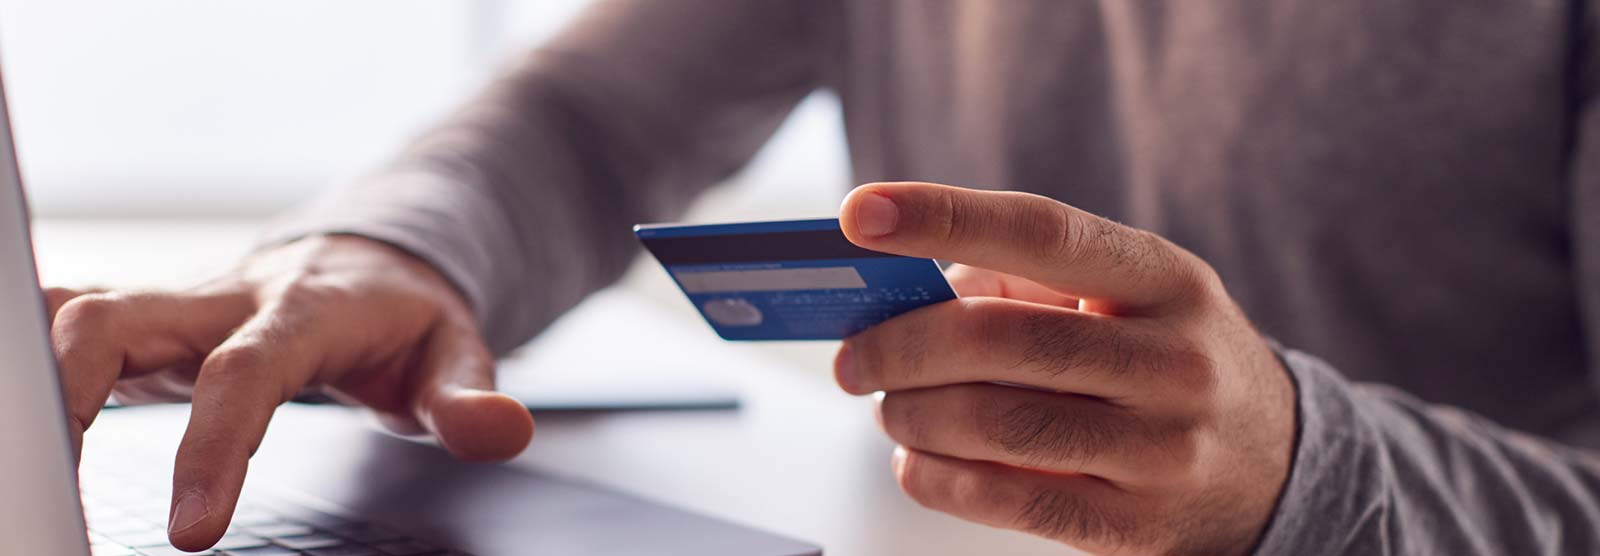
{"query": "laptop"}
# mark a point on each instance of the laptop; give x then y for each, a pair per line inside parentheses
(322, 484)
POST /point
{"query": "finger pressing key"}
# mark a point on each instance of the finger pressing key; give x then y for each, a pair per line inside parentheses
(239, 386)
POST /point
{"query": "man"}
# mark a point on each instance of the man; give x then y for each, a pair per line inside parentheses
(1411, 191)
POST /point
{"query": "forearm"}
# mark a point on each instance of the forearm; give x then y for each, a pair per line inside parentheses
(465, 230)
(526, 195)
(503, 200)
(1377, 472)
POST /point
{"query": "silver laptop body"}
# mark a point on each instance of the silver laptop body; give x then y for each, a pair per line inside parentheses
(39, 511)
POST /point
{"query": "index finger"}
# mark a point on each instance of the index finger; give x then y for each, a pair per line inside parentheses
(240, 385)
(1049, 242)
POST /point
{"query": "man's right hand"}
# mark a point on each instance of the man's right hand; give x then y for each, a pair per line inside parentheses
(365, 322)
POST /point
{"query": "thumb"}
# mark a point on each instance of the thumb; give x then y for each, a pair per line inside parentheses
(455, 398)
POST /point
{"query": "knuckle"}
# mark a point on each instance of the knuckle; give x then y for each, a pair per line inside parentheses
(986, 324)
(1054, 344)
(964, 492)
(995, 426)
(1182, 446)
(92, 312)
(249, 365)
(899, 350)
(1124, 357)
(949, 220)
(1069, 234)
(914, 481)
(237, 361)
(309, 290)
(304, 308)
(1172, 454)
(1194, 280)
(1040, 433)
(978, 495)
(1062, 515)
(1194, 372)
(1147, 253)
(1049, 513)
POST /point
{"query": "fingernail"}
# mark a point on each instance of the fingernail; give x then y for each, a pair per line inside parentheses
(844, 365)
(876, 215)
(190, 510)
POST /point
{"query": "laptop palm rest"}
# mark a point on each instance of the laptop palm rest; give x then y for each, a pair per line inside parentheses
(329, 459)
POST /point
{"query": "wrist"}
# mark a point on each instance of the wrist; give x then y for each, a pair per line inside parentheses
(1333, 469)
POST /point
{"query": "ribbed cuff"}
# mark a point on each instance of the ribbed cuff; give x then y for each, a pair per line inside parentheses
(1333, 501)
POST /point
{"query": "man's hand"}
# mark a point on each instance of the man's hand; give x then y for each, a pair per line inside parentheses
(1095, 384)
(362, 320)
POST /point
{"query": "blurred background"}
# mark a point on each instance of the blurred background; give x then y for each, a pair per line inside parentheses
(157, 138)
(174, 108)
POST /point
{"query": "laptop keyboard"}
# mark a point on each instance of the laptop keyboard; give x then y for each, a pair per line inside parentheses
(130, 519)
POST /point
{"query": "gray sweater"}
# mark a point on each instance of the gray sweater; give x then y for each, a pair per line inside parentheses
(1408, 190)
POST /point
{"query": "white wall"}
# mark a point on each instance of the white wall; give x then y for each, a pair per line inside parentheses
(236, 107)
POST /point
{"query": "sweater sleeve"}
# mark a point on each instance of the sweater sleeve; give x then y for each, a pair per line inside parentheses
(525, 196)
(1377, 472)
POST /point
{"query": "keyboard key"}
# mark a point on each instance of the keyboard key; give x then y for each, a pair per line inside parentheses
(230, 542)
(325, 522)
(307, 542)
(367, 533)
(121, 525)
(247, 506)
(250, 518)
(280, 530)
(142, 539)
(110, 549)
(262, 551)
(170, 551)
(127, 516)
(405, 548)
(122, 497)
(94, 512)
(346, 550)
(151, 514)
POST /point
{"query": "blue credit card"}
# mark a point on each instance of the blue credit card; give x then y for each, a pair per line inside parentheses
(790, 280)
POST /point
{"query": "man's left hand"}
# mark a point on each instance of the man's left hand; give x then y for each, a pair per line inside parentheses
(1094, 384)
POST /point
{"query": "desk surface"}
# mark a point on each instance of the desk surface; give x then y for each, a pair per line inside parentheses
(799, 457)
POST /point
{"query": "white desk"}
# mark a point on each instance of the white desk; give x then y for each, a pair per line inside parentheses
(799, 457)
